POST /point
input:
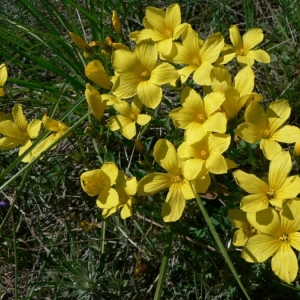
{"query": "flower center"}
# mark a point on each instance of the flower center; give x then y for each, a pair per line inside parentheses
(132, 117)
(168, 33)
(196, 61)
(203, 154)
(241, 51)
(266, 133)
(145, 75)
(271, 194)
(201, 118)
(177, 179)
(284, 237)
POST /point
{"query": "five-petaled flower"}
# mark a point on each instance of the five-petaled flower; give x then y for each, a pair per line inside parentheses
(19, 132)
(279, 232)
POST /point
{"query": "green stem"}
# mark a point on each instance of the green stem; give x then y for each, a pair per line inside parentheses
(164, 263)
(218, 240)
(102, 242)
(15, 254)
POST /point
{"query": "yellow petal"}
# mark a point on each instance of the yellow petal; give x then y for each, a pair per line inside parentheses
(279, 169)
(147, 54)
(287, 134)
(212, 48)
(95, 72)
(92, 182)
(165, 155)
(23, 148)
(107, 198)
(156, 17)
(7, 143)
(95, 102)
(213, 102)
(80, 42)
(19, 117)
(126, 211)
(252, 38)
(260, 247)
(153, 183)
(111, 170)
(116, 23)
(248, 132)
(218, 143)
(237, 217)
(216, 164)
(202, 74)
(254, 202)
(143, 119)
(175, 202)
(3, 78)
(163, 73)
(149, 94)
(270, 148)
(250, 183)
(244, 81)
(33, 128)
(235, 37)
(277, 113)
(285, 264)
(290, 221)
(125, 86)
(290, 188)
(129, 130)
(259, 55)
(173, 16)
(202, 182)
(192, 168)
(124, 61)
(12, 130)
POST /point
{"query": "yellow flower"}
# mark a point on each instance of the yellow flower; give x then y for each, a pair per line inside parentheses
(19, 132)
(128, 117)
(239, 220)
(243, 46)
(237, 93)
(138, 73)
(206, 154)
(176, 181)
(82, 44)
(126, 189)
(99, 182)
(198, 116)
(116, 23)
(97, 103)
(95, 72)
(198, 55)
(266, 127)
(276, 191)
(162, 27)
(278, 234)
(3, 78)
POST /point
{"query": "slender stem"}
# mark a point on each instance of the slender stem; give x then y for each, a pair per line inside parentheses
(218, 240)
(102, 242)
(164, 263)
(15, 254)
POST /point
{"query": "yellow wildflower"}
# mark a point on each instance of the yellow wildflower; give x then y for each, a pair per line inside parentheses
(128, 116)
(19, 132)
(278, 234)
(176, 181)
(139, 73)
(276, 191)
(266, 127)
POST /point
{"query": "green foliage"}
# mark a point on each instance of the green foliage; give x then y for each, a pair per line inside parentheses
(41, 225)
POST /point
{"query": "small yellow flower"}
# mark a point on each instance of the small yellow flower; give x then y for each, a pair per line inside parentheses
(243, 46)
(116, 23)
(99, 183)
(163, 27)
(95, 72)
(3, 78)
(139, 73)
(238, 218)
(177, 181)
(278, 234)
(128, 116)
(97, 102)
(206, 154)
(198, 55)
(267, 128)
(276, 191)
(198, 116)
(19, 132)
(126, 189)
